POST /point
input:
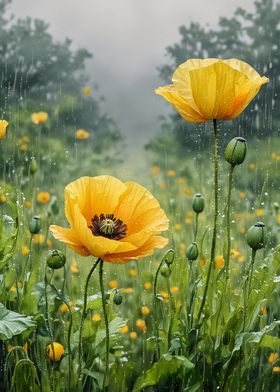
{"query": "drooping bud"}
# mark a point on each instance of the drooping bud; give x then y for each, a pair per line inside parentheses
(35, 225)
(117, 298)
(169, 257)
(198, 203)
(33, 166)
(257, 236)
(235, 151)
(192, 251)
(165, 271)
(56, 259)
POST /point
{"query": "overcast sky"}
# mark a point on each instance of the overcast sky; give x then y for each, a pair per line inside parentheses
(128, 39)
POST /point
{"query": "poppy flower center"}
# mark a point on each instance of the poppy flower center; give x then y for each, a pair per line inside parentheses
(108, 226)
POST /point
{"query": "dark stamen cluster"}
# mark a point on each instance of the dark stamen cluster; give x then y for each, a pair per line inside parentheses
(108, 226)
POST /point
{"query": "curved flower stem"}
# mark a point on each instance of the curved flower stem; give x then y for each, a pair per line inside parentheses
(61, 296)
(216, 213)
(247, 290)
(157, 347)
(228, 223)
(82, 319)
(105, 321)
(49, 326)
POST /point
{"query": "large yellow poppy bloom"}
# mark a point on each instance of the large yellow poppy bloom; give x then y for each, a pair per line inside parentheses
(112, 220)
(207, 89)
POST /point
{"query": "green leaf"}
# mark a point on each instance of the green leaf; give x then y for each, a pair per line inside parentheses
(12, 323)
(167, 366)
(114, 328)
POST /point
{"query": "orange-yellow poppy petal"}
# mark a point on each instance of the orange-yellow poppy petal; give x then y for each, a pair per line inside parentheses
(94, 195)
(146, 250)
(69, 238)
(139, 210)
(180, 104)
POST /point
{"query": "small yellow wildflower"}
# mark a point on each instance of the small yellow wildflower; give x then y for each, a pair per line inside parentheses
(188, 221)
(25, 250)
(278, 219)
(276, 369)
(27, 203)
(132, 272)
(242, 195)
(113, 284)
(38, 239)
(96, 317)
(3, 128)
(148, 285)
(141, 324)
(241, 259)
(272, 358)
(124, 329)
(74, 267)
(251, 166)
(133, 335)
(162, 185)
(171, 173)
(234, 253)
(174, 289)
(3, 198)
(55, 351)
(43, 197)
(155, 170)
(182, 247)
(145, 310)
(87, 91)
(24, 147)
(127, 290)
(39, 118)
(264, 310)
(82, 134)
(260, 212)
(187, 191)
(220, 262)
(64, 308)
(181, 181)
(177, 227)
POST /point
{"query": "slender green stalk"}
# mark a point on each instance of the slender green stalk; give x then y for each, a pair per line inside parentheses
(247, 290)
(49, 326)
(228, 223)
(172, 312)
(83, 315)
(26, 264)
(216, 213)
(105, 321)
(196, 226)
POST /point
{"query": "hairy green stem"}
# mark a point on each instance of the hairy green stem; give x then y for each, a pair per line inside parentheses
(247, 290)
(196, 226)
(228, 223)
(216, 213)
(101, 283)
(49, 326)
(83, 315)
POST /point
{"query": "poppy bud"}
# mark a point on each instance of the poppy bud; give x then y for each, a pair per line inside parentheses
(117, 298)
(35, 225)
(192, 251)
(56, 259)
(257, 236)
(169, 257)
(33, 166)
(235, 152)
(165, 271)
(198, 203)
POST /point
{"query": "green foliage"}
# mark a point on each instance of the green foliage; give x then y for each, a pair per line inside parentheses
(12, 323)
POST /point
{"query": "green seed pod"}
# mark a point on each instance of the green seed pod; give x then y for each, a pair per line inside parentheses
(35, 225)
(257, 236)
(192, 251)
(117, 298)
(235, 152)
(56, 259)
(165, 271)
(33, 166)
(198, 203)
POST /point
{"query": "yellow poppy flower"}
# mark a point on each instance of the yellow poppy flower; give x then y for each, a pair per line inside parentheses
(96, 317)
(3, 128)
(141, 324)
(171, 173)
(220, 262)
(133, 335)
(124, 329)
(25, 250)
(39, 118)
(155, 170)
(207, 89)
(115, 221)
(145, 310)
(43, 197)
(87, 91)
(113, 284)
(81, 134)
(55, 351)
(148, 285)
(272, 357)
